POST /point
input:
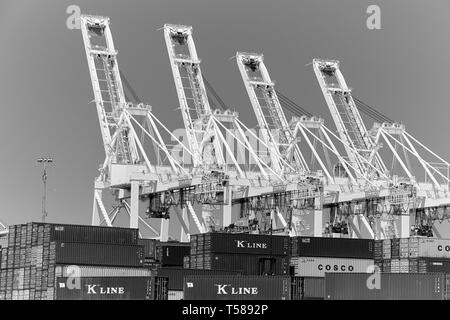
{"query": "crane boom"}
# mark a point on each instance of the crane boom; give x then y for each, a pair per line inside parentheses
(108, 91)
(347, 118)
(190, 87)
(269, 113)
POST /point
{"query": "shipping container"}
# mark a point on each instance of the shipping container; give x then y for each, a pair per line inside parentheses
(429, 248)
(3, 241)
(176, 275)
(112, 288)
(240, 243)
(172, 254)
(93, 234)
(313, 288)
(99, 271)
(247, 264)
(385, 286)
(237, 288)
(317, 267)
(332, 248)
(149, 247)
(175, 295)
(99, 254)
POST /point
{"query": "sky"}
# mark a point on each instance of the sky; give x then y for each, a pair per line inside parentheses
(45, 88)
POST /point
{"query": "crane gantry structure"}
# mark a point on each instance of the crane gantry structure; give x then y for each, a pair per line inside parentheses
(223, 180)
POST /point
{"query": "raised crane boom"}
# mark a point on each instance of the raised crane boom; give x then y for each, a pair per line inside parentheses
(190, 87)
(347, 118)
(269, 113)
(108, 90)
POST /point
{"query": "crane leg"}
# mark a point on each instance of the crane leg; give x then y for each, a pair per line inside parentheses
(134, 215)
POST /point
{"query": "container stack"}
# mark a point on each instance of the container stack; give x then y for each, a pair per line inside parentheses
(176, 277)
(313, 257)
(38, 254)
(237, 288)
(413, 255)
(387, 286)
(251, 254)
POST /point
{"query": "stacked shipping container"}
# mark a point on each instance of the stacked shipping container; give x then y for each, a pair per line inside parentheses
(38, 253)
(313, 257)
(251, 254)
(386, 286)
(237, 288)
(413, 255)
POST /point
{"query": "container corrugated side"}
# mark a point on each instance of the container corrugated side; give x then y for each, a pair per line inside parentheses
(176, 275)
(247, 264)
(172, 255)
(317, 267)
(99, 254)
(237, 288)
(241, 243)
(390, 286)
(107, 288)
(92, 234)
(433, 248)
(99, 271)
(313, 288)
(331, 247)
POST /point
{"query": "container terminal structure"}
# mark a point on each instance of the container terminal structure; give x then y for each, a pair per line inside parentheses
(355, 182)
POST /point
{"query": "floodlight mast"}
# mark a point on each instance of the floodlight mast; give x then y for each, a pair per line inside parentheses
(44, 162)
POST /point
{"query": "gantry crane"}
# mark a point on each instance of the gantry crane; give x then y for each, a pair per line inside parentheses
(363, 151)
(127, 168)
(197, 114)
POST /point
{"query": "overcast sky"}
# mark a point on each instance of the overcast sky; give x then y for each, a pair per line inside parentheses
(45, 88)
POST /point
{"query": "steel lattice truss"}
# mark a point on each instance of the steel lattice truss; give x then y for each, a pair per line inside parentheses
(217, 178)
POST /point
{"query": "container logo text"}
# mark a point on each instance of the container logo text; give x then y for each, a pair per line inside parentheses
(222, 289)
(251, 245)
(335, 267)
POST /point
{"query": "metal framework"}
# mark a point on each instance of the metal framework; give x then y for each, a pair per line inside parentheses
(269, 113)
(346, 117)
(368, 179)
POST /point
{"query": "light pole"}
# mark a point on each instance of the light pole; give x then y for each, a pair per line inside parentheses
(44, 162)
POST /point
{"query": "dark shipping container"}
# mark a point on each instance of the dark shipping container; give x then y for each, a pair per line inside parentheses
(332, 247)
(93, 234)
(247, 264)
(240, 243)
(237, 288)
(99, 254)
(149, 247)
(390, 286)
(176, 275)
(107, 288)
(313, 288)
(172, 254)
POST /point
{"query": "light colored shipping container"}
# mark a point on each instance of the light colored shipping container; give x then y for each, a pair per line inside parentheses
(434, 248)
(175, 295)
(404, 251)
(317, 267)
(95, 271)
(395, 265)
(386, 255)
(3, 242)
(404, 266)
